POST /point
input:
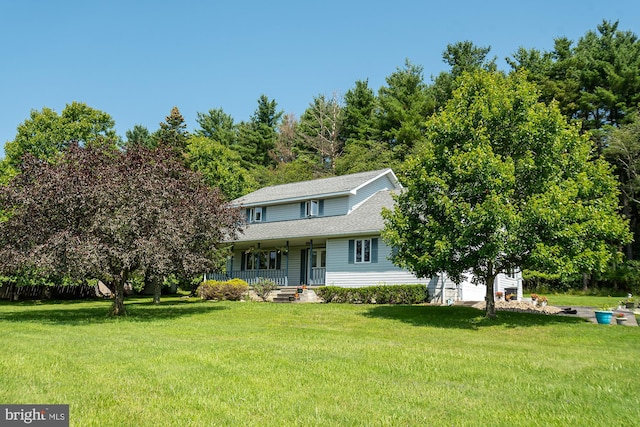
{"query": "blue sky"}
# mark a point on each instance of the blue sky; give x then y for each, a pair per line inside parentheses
(137, 59)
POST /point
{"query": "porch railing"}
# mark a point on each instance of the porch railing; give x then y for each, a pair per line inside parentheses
(278, 276)
(252, 276)
(317, 276)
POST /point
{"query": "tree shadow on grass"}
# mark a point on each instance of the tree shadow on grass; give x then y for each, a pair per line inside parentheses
(85, 312)
(457, 317)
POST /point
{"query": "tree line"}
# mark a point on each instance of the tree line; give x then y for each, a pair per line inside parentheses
(594, 82)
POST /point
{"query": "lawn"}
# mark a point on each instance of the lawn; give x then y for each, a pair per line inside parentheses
(596, 301)
(259, 364)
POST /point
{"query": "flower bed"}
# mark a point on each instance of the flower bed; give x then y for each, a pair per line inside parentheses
(520, 306)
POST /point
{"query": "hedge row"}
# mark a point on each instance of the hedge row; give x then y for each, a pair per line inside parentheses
(380, 294)
(231, 290)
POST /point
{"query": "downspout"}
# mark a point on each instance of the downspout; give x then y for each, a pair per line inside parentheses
(442, 290)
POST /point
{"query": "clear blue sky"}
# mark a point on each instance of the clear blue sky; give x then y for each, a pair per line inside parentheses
(137, 59)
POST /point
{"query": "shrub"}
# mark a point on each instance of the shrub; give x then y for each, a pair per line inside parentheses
(231, 290)
(379, 294)
(264, 287)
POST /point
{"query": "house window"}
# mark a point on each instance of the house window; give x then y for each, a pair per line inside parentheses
(319, 258)
(311, 208)
(255, 214)
(263, 260)
(511, 273)
(363, 250)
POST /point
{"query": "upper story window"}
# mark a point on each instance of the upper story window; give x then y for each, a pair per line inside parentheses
(312, 208)
(256, 214)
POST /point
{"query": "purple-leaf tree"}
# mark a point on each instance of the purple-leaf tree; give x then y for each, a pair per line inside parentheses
(97, 212)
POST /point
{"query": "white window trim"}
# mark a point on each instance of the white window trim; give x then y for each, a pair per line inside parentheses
(256, 258)
(255, 214)
(363, 243)
(312, 208)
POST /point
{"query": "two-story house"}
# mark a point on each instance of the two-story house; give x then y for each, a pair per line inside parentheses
(327, 232)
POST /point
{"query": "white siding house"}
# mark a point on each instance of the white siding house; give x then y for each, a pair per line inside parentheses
(327, 232)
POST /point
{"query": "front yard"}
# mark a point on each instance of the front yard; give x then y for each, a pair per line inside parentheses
(203, 364)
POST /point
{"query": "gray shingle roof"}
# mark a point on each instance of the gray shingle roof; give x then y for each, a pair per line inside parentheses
(364, 219)
(324, 187)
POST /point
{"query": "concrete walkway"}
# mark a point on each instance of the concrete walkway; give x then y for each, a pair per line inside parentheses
(589, 313)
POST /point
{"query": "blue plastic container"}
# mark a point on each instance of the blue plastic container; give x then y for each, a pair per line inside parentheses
(604, 317)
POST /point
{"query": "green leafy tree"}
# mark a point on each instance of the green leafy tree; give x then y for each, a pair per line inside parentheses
(46, 133)
(623, 151)
(503, 182)
(220, 166)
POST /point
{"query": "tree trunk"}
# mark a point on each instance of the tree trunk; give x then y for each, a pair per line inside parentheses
(491, 295)
(157, 291)
(585, 282)
(117, 309)
(626, 210)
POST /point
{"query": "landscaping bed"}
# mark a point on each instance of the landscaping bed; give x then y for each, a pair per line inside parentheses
(520, 307)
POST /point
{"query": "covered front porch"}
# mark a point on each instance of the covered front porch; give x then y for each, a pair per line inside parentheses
(287, 263)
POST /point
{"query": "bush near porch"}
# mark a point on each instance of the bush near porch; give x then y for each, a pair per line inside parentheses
(380, 294)
(230, 290)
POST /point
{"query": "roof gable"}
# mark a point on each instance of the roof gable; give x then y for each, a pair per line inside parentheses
(317, 188)
(366, 219)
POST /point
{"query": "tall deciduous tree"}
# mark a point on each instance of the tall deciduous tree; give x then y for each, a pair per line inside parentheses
(623, 151)
(502, 182)
(320, 127)
(101, 213)
(220, 166)
(45, 133)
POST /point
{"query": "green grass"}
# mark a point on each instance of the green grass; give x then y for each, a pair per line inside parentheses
(259, 364)
(597, 301)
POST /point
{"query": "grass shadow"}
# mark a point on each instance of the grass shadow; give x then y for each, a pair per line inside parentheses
(457, 317)
(84, 312)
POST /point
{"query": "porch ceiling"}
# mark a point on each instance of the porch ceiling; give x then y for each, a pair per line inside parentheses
(280, 243)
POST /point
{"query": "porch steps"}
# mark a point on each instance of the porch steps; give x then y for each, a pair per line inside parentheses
(286, 295)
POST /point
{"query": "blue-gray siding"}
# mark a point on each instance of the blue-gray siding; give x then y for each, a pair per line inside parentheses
(370, 189)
